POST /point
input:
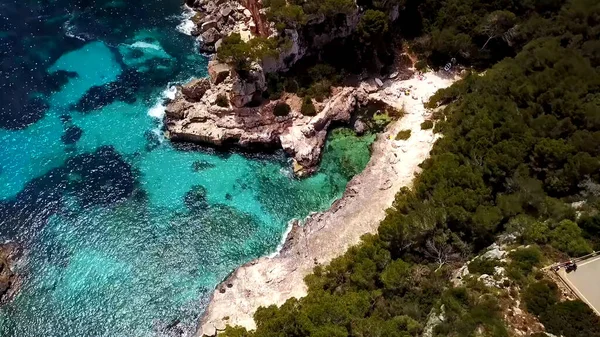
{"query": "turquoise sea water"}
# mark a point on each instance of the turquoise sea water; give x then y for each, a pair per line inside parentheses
(124, 233)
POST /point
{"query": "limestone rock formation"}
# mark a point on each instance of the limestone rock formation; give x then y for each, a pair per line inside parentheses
(195, 89)
(216, 19)
(300, 136)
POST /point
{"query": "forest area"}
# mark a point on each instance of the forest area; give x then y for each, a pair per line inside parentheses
(520, 146)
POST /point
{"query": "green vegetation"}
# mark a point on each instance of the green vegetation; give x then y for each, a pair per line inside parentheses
(469, 309)
(539, 296)
(240, 54)
(483, 266)
(308, 108)
(222, 101)
(281, 109)
(403, 135)
(571, 319)
(372, 26)
(521, 143)
(295, 13)
(426, 125)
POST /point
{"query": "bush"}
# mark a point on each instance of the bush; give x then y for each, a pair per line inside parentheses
(403, 135)
(281, 109)
(290, 85)
(571, 319)
(527, 258)
(372, 26)
(482, 266)
(222, 101)
(421, 65)
(567, 237)
(426, 125)
(240, 54)
(319, 90)
(308, 108)
(539, 296)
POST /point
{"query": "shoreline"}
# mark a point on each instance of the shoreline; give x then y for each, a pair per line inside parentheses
(325, 235)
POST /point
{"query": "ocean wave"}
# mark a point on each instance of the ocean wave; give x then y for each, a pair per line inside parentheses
(290, 226)
(145, 45)
(187, 25)
(158, 110)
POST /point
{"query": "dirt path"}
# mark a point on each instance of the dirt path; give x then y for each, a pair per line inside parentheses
(328, 234)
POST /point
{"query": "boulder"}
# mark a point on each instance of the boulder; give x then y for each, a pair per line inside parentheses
(242, 93)
(208, 25)
(225, 10)
(359, 127)
(194, 90)
(217, 71)
(211, 36)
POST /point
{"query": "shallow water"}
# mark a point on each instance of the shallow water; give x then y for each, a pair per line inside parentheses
(126, 234)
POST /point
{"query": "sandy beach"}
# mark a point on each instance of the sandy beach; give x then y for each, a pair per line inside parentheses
(326, 235)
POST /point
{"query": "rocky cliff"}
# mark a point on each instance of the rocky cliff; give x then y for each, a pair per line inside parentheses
(228, 108)
(195, 116)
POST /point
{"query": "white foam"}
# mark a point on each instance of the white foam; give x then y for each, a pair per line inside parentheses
(145, 45)
(158, 110)
(290, 225)
(187, 25)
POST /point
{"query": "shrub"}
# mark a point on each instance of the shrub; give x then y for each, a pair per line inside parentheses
(482, 266)
(571, 319)
(421, 65)
(319, 90)
(373, 24)
(567, 237)
(525, 259)
(281, 109)
(426, 125)
(403, 135)
(241, 54)
(539, 296)
(308, 108)
(222, 101)
(290, 85)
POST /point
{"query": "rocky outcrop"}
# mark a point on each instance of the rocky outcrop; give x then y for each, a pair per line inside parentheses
(195, 89)
(303, 137)
(8, 278)
(216, 19)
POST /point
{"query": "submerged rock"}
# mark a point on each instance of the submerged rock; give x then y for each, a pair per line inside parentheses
(8, 278)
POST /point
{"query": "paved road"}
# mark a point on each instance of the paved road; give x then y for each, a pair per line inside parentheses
(586, 280)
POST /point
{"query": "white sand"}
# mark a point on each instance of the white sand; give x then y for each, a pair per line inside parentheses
(393, 164)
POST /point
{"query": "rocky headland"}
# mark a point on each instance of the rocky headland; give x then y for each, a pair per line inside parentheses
(228, 107)
(194, 116)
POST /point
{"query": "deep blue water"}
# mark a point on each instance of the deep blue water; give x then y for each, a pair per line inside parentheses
(124, 233)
